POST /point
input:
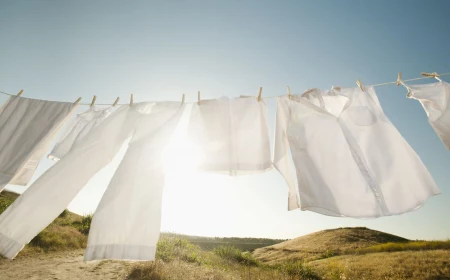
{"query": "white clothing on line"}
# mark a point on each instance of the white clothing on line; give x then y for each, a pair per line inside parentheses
(126, 224)
(232, 135)
(435, 100)
(27, 128)
(349, 158)
(79, 128)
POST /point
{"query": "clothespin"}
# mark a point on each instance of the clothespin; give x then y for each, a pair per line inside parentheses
(289, 92)
(77, 101)
(400, 82)
(93, 101)
(131, 99)
(360, 85)
(260, 92)
(198, 95)
(182, 99)
(399, 78)
(117, 101)
(20, 92)
(432, 75)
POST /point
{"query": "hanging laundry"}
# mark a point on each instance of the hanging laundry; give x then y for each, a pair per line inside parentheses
(27, 128)
(126, 224)
(349, 159)
(232, 135)
(435, 99)
(79, 128)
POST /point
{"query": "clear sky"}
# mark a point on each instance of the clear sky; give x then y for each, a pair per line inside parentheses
(61, 50)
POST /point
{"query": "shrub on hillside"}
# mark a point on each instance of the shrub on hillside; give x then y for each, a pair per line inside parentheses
(55, 238)
(234, 254)
(84, 225)
(298, 270)
(170, 248)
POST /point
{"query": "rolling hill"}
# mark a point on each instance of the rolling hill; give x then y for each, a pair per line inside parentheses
(324, 244)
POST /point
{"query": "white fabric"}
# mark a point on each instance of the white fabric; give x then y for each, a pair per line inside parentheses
(232, 135)
(435, 99)
(126, 224)
(27, 128)
(349, 158)
(79, 128)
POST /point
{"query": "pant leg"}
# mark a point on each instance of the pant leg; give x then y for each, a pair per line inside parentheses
(127, 222)
(48, 196)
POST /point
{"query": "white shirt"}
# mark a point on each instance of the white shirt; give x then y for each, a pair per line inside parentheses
(435, 99)
(232, 135)
(349, 158)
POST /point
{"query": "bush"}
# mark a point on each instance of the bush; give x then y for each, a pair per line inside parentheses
(170, 248)
(233, 254)
(84, 225)
(56, 238)
(298, 270)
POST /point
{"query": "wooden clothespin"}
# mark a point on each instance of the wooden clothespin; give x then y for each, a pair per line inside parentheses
(198, 95)
(93, 101)
(289, 92)
(182, 99)
(400, 82)
(432, 75)
(260, 92)
(20, 92)
(131, 99)
(399, 78)
(360, 85)
(77, 101)
(117, 101)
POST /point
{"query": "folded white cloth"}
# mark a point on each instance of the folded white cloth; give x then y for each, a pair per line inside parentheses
(27, 128)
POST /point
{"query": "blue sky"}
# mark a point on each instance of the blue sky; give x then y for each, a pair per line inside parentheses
(157, 50)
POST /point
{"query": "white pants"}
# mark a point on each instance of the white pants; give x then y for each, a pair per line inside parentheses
(132, 200)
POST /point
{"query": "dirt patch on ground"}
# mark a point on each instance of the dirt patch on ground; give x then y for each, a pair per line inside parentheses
(61, 265)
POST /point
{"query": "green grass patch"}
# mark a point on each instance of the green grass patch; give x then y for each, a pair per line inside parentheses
(406, 246)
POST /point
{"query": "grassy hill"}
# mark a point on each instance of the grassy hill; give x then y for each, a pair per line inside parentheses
(324, 244)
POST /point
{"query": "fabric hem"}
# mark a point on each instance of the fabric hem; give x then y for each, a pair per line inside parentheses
(9, 248)
(120, 252)
(333, 213)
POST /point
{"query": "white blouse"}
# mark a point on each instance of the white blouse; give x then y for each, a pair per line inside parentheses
(349, 158)
(435, 99)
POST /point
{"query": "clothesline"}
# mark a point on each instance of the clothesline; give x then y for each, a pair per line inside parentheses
(275, 96)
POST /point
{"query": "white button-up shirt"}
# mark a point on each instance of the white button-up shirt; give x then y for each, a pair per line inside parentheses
(349, 158)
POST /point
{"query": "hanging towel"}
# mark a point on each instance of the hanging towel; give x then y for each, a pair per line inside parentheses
(435, 99)
(79, 128)
(232, 135)
(126, 224)
(349, 159)
(27, 128)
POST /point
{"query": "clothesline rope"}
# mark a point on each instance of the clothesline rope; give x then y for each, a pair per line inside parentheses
(275, 96)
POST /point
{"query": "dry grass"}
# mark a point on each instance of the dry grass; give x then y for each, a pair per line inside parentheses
(408, 246)
(324, 244)
(177, 258)
(417, 265)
